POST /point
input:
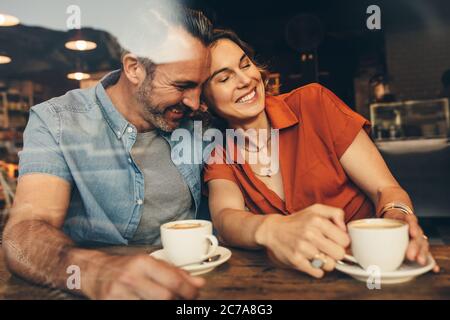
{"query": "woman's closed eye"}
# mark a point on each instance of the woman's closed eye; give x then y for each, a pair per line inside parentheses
(225, 78)
(245, 63)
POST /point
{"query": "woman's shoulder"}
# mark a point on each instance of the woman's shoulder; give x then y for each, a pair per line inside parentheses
(308, 88)
(314, 97)
(312, 91)
(306, 100)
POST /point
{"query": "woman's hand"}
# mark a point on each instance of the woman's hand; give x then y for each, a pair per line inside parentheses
(297, 239)
(418, 248)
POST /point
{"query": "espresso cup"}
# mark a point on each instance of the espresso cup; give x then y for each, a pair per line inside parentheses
(379, 242)
(188, 241)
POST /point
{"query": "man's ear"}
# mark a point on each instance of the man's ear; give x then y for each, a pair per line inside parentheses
(133, 70)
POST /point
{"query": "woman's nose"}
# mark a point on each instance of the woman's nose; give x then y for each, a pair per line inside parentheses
(244, 80)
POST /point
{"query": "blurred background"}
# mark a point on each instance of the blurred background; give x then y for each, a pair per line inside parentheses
(392, 66)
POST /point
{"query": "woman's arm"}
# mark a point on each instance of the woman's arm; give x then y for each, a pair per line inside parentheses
(365, 166)
(235, 225)
(292, 240)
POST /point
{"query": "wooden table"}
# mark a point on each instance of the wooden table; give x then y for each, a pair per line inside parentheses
(250, 275)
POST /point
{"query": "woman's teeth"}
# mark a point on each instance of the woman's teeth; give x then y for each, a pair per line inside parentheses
(248, 97)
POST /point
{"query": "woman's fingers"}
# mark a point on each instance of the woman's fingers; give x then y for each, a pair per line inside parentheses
(413, 250)
(423, 253)
(436, 268)
(418, 245)
(310, 252)
(327, 246)
(418, 250)
(329, 263)
(335, 234)
(300, 262)
(414, 229)
(331, 213)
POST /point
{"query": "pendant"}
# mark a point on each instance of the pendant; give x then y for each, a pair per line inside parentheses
(266, 172)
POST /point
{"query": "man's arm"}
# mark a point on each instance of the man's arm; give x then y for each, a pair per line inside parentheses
(37, 249)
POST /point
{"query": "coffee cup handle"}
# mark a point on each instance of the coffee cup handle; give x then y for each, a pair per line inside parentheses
(350, 258)
(212, 249)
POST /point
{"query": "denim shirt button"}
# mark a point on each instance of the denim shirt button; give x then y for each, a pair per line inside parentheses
(130, 130)
(140, 202)
(129, 160)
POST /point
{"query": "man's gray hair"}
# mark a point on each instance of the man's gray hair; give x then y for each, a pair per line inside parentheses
(157, 23)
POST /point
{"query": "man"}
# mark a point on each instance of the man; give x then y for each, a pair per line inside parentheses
(96, 167)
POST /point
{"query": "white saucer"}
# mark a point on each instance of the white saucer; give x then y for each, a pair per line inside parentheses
(407, 271)
(198, 268)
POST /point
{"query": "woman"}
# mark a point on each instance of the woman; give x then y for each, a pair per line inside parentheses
(330, 171)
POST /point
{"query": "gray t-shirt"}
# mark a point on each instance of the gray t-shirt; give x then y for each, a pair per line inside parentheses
(167, 196)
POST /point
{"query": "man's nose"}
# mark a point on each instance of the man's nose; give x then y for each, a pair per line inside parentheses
(191, 99)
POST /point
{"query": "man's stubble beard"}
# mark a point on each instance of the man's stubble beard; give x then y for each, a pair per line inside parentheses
(152, 113)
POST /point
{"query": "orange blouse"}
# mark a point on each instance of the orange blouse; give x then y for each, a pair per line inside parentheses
(315, 129)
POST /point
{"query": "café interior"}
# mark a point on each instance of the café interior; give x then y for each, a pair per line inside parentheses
(396, 75)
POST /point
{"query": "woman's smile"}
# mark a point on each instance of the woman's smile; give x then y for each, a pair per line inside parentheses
(248, 97)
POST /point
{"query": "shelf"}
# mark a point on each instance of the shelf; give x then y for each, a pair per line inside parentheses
(412, 145)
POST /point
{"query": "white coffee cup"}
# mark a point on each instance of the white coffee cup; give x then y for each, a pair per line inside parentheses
(379, 242)
(188, 241)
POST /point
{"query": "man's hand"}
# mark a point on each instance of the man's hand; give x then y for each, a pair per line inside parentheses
(418, 248)
(296, 239)
(139, 277)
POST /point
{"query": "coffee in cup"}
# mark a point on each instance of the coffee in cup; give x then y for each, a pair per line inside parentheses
(379, 242)
(185, 225)
(188, 241)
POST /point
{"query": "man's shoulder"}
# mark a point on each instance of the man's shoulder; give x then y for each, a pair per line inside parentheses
(73, 101)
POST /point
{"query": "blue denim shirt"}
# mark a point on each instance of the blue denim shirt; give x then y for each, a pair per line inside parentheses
(82, 138)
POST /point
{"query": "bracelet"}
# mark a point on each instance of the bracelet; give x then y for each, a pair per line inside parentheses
(397, 205)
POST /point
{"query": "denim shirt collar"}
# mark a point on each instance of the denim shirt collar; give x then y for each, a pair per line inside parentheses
(115, 120)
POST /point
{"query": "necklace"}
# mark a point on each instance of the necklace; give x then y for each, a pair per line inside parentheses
(264, 172)
(258, 148)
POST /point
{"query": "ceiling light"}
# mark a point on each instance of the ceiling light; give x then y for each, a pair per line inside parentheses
(80, 45)
(8, 20)
(78, 76)
(4, 59)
